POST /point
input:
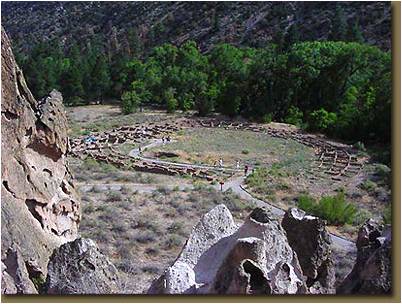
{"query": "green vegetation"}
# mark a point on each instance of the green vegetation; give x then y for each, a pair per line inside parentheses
(39, 282)
(333, 87)
(334, 209)
(340, 88)
(82, 73)
(387, 216)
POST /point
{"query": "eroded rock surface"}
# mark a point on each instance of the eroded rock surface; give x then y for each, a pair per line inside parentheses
(15, 276)
(308, 236)
(79, 267)
(40, 207)
(372, 273)
(221, 257)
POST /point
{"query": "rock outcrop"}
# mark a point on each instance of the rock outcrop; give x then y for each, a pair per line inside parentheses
(79, 267)
(40, 207)
(221, 257)
(308, 236)
(372, 273)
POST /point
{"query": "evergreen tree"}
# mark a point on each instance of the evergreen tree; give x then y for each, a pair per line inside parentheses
(292, 36)
(354, 33)
(118, 74)
(338, 25)
(134, 42)
(71, 83)
(100, 78)
(215, 21)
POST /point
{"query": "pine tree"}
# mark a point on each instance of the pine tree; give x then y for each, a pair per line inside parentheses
(118, 74)
(215, 21)
(134, 42)
(291, 37)
(354, 33)
(278, 39)
(338, 25)
(100, 78)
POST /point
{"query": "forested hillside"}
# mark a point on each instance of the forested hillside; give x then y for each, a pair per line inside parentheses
(208, 23)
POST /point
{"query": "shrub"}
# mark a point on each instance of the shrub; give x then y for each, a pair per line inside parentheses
(322, 120)
(307, 203)
(89, 209)
(266, 118)
(113, 196)
(119, 226)
(101, 235)
(234, 203)
(145, 237)
(172, 242)
(360, 146)
(387, 216)
(152, 251)
(383, 173)
(163, 190)
(39, 282)
(125, 205)
(130, 102)
(150, 269)
(294, 117)
(146, 224)
(124, 251)
(334, 209)
(368, 185)
(361, 217)
(176, 227)
(171, 101)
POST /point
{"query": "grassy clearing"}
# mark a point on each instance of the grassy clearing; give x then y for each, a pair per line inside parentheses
(208, 145)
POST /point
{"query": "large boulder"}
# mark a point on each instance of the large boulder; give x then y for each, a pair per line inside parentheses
(79, 267)
(40, 208)
(308, 236)
(221, 257)
(372, 273)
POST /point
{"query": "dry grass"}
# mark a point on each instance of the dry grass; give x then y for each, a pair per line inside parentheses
(149, 229)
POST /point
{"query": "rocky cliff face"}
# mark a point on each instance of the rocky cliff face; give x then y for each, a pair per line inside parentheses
(40, 207)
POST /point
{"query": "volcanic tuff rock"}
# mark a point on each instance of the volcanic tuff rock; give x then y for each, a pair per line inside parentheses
(79, 267)
(372, 273)
(40, 207)
(221, 257)
(14, 274)
(308, 236)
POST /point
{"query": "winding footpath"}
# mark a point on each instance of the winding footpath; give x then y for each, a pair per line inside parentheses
(235, 184)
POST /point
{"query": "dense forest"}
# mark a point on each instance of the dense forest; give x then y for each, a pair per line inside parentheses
(340, 87)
